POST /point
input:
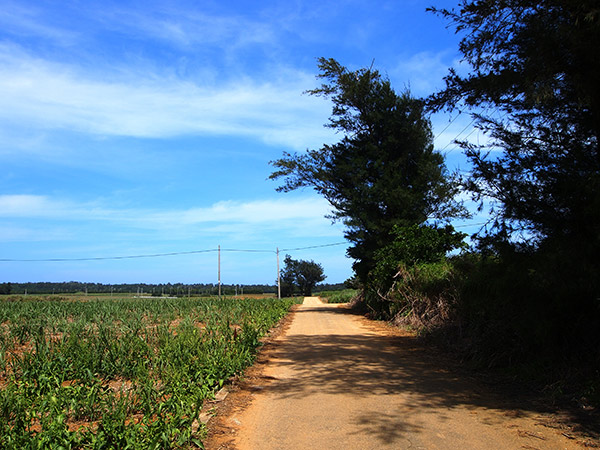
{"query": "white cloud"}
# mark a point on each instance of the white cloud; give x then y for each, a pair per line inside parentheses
(23, 205)
(424, 71)
(244, 221)
(185, 28)
(300, 215)
(48, 95)
(258, 211)
(15, 233)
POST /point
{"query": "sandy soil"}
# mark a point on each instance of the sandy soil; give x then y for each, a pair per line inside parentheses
(335, 380)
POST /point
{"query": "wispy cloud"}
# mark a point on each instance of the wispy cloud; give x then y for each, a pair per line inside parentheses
(186, 28)
(29, 21)
(300, 215)
(32, 206)
(424, 71)
(49, 95)
(260, 211)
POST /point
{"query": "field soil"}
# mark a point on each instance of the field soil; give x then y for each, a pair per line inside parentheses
(331, 379)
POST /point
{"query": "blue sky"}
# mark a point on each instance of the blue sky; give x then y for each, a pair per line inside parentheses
(134, 128)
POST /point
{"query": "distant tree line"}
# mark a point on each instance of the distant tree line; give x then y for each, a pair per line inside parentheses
(171, 289)
(5, 288)
(72, 287)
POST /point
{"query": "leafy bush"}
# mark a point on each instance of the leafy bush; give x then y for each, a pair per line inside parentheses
(524, 307)
(410, 246)
(421, 296)
(529, 315)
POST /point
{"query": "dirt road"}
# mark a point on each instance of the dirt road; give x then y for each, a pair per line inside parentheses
(335, 380)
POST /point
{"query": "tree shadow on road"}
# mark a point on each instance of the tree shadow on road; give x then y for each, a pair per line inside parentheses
(372, 363)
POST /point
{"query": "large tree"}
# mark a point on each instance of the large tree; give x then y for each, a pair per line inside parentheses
(534, 84)
(384, 172)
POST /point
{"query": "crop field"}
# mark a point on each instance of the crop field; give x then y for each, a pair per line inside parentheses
(127, 373)
(343, 296)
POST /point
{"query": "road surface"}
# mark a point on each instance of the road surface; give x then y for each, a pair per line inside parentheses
(335, 380)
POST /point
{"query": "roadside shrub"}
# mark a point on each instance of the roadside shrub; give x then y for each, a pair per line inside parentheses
(524, 307)
(412, 246)
(534, 315)
(421, 296)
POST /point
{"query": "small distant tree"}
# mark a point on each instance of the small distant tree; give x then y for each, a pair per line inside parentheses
(300, 275)
(288, 277)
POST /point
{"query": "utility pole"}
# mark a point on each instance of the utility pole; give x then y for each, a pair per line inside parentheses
(219, 272)
(278, 277)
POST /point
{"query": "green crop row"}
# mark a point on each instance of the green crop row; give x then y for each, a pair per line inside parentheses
(128, 373)
(343, 296)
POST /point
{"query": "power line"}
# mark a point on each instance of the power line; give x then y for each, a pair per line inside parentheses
(103, 258)
(470, 225)
(501, 116)
(447, 126)
(461, 132)
(160, 255)
(246, 251)
(312, 246)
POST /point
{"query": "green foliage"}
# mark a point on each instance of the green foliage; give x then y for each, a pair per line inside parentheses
(124, 373)
(168, 289)
(413, 245)
(383, 172)
(331, 287)
(300, 275)
(503, 314)
(343, 296)
(5, 288)
(518, 313)
(532, 295)
(536, 63)
(422, 296)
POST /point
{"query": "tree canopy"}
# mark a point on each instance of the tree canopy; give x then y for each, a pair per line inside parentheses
(533, 87)
(534, 82)
(300, 275)
(383, 172)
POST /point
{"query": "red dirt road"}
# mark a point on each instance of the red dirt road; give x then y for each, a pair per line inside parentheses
(335, 380)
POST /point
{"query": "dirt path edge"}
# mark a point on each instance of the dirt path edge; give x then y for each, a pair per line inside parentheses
(220, 432)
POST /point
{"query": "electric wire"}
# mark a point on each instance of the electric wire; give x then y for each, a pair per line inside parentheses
(461, 132)
(470, 225)
(160, 255)
(447, 126)
(245, 251)
(103, 258)
(312, 246)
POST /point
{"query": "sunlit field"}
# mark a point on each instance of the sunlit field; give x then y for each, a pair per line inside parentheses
(105, 372)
